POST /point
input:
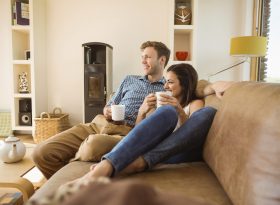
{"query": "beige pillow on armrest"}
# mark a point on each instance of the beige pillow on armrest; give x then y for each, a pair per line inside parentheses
(202, 89)
(96, 145)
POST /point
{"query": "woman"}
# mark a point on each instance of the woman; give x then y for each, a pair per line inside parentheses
(174, 133)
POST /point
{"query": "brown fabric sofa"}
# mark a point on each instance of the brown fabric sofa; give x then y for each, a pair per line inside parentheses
(241, 153)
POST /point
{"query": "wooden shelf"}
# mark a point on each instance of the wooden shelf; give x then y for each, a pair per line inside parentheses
(177, 62)
(183, 27)
(22, 95)
(23, 128)
(20, 28)
(21, 62)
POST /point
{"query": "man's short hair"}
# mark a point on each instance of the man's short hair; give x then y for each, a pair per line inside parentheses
(160, 47)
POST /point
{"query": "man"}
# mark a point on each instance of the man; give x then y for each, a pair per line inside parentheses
(54, 153)
(134, 89)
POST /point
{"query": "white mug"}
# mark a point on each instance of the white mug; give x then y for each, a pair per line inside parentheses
(169, 93)
(118, 112)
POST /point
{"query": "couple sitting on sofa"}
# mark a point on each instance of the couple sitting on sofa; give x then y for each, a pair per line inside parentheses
(173, 133)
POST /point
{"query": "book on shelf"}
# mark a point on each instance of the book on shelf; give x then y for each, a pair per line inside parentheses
(20, 13)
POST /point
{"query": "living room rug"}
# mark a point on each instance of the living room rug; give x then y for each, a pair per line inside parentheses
(5, 124)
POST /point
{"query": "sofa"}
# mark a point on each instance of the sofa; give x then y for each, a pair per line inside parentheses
(241, 154)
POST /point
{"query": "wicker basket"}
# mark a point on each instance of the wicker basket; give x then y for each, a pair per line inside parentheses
(50, 124)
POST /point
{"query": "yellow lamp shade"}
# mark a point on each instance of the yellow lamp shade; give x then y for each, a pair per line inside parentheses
(250, 46)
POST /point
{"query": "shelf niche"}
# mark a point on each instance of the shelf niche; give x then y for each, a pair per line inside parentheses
(21, 44)
(18, 70)
(183, 42)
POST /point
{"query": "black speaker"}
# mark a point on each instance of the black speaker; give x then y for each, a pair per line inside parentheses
(25, 118)
(25, 105)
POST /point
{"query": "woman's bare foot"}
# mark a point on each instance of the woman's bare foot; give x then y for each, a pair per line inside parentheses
(137, 165)
(103, 168)
(93, 166)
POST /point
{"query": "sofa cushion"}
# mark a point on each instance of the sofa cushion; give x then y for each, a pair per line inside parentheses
(103, 191)
(193, 180)
(95, 146)
(127, 192)
(67, 173)
(243, 144)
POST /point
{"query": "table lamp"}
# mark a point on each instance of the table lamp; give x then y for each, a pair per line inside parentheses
(245, 46)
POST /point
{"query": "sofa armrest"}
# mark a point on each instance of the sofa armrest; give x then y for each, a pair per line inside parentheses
(22, 184)
(242, 146)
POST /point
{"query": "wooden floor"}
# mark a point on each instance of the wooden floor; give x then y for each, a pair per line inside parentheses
(34, 175)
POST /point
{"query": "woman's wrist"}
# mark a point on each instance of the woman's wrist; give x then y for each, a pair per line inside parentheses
(182, 114)
(142, 113)
(180, 110)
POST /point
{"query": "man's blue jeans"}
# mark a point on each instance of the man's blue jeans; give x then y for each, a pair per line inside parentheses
(154, 139)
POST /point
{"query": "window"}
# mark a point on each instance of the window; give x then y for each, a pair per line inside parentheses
(273, 63)
(267, 15)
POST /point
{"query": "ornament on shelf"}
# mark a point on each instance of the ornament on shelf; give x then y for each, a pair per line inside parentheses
(182, 55)
(23, 83)
(183, 14)
(27, 55)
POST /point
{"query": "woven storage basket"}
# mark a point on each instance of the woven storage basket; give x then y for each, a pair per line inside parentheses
(50, 124)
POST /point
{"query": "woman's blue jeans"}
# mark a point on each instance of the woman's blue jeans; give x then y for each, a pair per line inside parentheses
(154, 139)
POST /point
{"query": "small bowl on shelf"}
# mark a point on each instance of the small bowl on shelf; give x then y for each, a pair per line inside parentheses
(182, 55)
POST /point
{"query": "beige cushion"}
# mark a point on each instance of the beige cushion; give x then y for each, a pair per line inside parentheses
(106, 192)
(194, 180)
(127, 192)
(96, 145)
(189, 179)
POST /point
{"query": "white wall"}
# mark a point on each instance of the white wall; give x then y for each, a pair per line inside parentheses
(219, 21)
(124, 24)
(5, 57)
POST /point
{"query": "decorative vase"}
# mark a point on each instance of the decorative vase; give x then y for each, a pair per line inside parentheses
(182, 55)
(183, 15)
(23, 83)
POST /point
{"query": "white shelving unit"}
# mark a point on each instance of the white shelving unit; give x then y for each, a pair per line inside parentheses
(183, 37)
(29, 38)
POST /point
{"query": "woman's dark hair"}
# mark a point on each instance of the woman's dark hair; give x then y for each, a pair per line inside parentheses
(187, 77)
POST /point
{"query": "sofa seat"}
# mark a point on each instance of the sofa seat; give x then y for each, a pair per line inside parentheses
(67, 173)
(189, 179)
